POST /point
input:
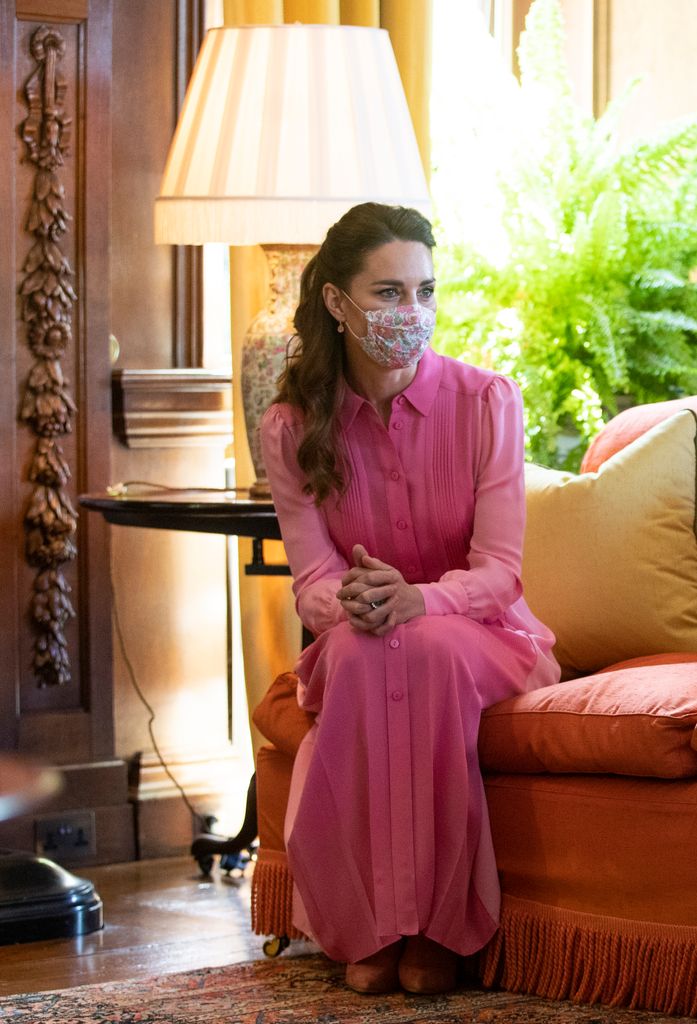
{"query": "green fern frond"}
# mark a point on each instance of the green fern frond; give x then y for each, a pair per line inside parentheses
(660, 280)
(608, 233)
(663, 243)
(603, 342)
(662, 367)
(652, 164)
(664, 320)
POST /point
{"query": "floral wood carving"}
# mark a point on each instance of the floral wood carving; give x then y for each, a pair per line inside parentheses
(47, 407)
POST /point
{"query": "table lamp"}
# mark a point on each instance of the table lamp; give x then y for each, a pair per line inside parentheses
(282, 130)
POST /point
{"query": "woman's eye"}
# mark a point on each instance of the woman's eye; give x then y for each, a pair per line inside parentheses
(427, 293)
(387, 293)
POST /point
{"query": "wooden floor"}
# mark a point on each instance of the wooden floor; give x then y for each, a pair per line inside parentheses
(160, 916)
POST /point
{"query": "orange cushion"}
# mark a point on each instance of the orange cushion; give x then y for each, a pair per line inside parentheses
(279, 718)
(627, 426)
(636, 720)
(650, 659)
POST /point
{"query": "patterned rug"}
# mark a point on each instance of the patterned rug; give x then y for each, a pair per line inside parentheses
(301, 990)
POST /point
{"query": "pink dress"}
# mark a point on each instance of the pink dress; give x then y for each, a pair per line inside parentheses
(387, 826)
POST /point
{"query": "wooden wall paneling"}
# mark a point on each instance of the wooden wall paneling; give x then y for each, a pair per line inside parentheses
(71, 724)
(83, 177)
(188, 306)
(659, 47)
(213, 781)
(172, 408)
(172, 427)
(580, 23)
(187, 259)
(519, 12)
(173, 585)
(586, 25)
(601, 56)
(70, 11)
(99, 788)
(156, 289)
(506, 22)
(142, 286)
(94, 390)
(10, 527)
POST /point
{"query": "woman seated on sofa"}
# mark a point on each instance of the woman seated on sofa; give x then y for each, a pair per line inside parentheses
(397, 476)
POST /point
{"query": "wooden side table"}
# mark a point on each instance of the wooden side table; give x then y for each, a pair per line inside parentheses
(202, 511)
(198, 511)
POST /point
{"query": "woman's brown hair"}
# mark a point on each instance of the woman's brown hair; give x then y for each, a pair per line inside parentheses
(313, 379)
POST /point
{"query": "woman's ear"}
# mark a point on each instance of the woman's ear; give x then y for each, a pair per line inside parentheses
(334, 301)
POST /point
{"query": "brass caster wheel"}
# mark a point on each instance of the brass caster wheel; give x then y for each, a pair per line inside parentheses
(274, 946)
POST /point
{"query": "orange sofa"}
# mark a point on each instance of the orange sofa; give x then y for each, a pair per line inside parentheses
(592, 783)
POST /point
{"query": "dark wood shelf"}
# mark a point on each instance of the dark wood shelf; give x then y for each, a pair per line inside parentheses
(171, 408)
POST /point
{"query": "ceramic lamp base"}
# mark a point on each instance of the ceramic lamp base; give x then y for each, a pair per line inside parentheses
(260, 489)
(265, 346)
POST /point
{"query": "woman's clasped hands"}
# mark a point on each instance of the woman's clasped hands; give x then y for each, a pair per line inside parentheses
(375, 595)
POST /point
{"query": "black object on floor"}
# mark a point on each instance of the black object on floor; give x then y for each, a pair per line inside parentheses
(234, 851)
(41, 900)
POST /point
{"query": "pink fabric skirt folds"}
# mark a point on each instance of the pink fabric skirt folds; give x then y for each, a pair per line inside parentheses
(387, 827)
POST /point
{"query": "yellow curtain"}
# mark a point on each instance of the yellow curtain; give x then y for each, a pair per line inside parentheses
(409, 25)
(270, 629)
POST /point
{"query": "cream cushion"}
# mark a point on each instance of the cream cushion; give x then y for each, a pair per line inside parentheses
(610, 558)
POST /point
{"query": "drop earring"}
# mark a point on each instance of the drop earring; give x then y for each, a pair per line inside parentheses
(340, 327)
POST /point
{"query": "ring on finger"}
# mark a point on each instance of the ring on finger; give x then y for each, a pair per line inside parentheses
(376, 604)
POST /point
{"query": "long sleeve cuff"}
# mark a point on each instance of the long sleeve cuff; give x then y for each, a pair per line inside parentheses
(445, 598)
(317, 606)
(469, 592)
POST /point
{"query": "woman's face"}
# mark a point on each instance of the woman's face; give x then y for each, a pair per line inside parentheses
(398, 273)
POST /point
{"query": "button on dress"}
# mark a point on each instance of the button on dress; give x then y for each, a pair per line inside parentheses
(387, 827)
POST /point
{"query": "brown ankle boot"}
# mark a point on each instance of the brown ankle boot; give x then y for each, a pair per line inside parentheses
(426, 967)
(376, 973)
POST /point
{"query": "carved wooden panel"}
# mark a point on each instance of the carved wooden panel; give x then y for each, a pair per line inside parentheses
(54, 376)
(61, 376)
(10, 524)
(47, 68)
(48, 408)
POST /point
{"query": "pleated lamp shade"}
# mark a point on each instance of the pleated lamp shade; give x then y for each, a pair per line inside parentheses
(283, 129)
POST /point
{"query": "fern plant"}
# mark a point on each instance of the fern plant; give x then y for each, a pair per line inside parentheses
(597, 294)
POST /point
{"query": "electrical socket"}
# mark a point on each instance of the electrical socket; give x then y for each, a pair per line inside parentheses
(69, 836)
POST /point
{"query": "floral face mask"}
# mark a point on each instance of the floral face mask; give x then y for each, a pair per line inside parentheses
(398, 336)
